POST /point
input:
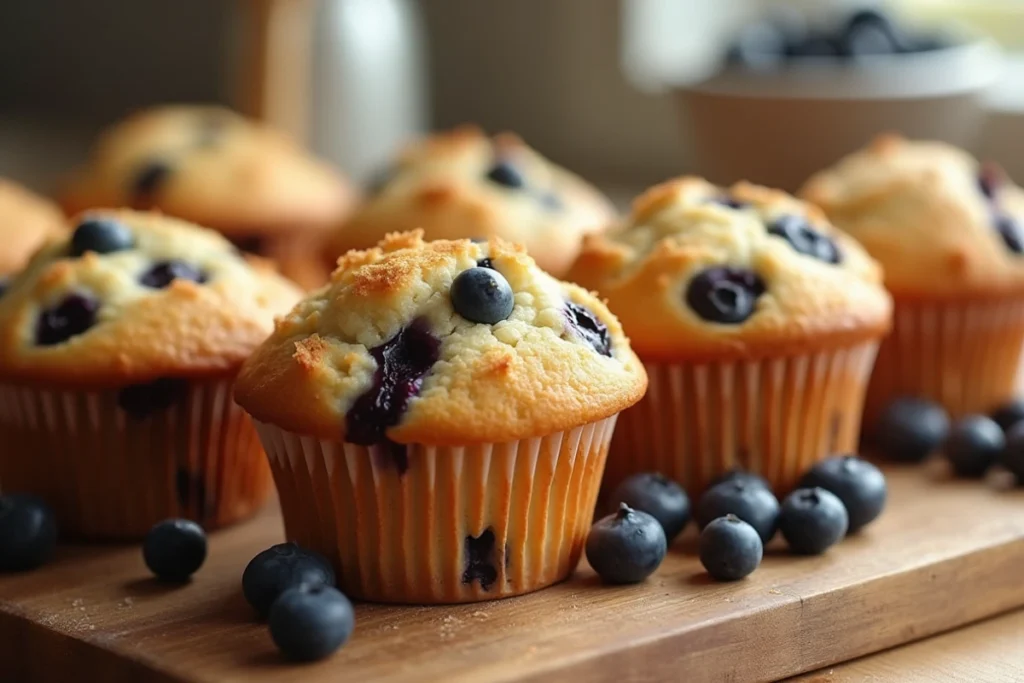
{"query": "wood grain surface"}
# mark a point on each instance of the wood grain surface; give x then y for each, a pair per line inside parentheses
(945, 554)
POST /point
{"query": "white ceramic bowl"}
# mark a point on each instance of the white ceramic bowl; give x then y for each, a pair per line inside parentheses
(779, 126)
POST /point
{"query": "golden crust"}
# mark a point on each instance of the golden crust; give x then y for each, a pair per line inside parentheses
(675, 232)
(231, 174)
(185, 330)
(918, 208)
(440, 185)
(26, 222)
(526, 376)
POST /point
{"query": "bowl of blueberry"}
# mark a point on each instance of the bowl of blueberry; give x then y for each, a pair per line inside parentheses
(793, 95)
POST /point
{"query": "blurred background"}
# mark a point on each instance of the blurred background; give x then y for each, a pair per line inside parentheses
(626, 92)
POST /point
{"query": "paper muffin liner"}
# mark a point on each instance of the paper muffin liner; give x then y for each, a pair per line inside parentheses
(964, 355)
(775, 417)
(109, 475)
(431, 524)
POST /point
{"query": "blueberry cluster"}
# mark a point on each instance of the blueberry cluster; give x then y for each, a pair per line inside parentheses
(738, 516)
(293, 588)
(786, 37)
(911, 429)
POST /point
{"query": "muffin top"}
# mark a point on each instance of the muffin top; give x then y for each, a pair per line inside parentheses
(444, 343)
(698, 272)
(26, 221)
(463, 184)
(941, 224)
(133, 297)
(209, 165)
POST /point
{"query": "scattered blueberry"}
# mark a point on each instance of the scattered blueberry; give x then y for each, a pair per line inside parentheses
(279, 568)
(752, 503)
(974, 445)
(857, 483)
(28, 532)
(481, 564)
(724, 295)
(749, 478)
(804, 238)
(174, 549)
(585, 324)
(74, 315)
(659, 497)
(506, 174)
(140, 401)
(402, 363)
(482, 295)
(1012, 457)
(162, 274)
(910, 429)
(812, 520)
(730, 549)
(101, 236)
(1010, 232)
(310, 623)
(626, 546)
(148, 180)
(1008, 415)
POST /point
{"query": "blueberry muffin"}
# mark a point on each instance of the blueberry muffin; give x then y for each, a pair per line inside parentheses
(463, 184)
(213, 167)
(757, 322)
(26, 222)
(437, 419)
(118, 352)
(949, 233)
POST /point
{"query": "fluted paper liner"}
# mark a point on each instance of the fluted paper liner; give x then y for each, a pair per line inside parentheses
(405, 536)
(964, 355)
(775, 417)
(111, 476)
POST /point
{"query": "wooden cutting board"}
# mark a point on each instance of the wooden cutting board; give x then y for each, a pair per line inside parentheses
(945, 554)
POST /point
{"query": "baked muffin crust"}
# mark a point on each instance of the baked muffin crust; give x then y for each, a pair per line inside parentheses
(26, 222)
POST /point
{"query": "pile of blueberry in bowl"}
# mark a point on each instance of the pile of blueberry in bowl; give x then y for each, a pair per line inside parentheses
(737, 516)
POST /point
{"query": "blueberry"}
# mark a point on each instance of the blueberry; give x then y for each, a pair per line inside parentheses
(310, 623)
(909, 429)
(749, 478)
(505, 173)
(728, 201)
(482, 295)
(804, 238)
(869, 32)
(402, 363)
(280, 568)
(857, 483)
(1012, 457)
(626, 546)
(1009, 414)
(1010, 232)
(162, 274)
(28, 532)
(757, 46)
(730, 549)
(724, 295)
(659, 497)
(140, 401)
(754, 504)
(585, 324)
(74, 315)
(174, 549)
(973, 445)
(813, 520)
(481, 563)
(101, 236)
(148, 180)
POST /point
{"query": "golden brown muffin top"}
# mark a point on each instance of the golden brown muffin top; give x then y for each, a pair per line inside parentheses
(698, 272)
(464, 184)
(26, 222)
(384, 352)
(209, 165)
(941, 224)
(170, 300)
